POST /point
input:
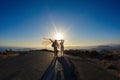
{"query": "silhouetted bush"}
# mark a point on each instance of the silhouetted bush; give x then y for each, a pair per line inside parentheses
(94, 53)
(86, 52)
(108, 65)
(111, 56)
(108, 56)
(73, 52)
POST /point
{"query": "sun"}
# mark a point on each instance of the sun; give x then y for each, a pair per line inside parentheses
(59, 36)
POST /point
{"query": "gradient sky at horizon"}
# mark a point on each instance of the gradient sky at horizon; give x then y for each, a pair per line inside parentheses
(86, 22)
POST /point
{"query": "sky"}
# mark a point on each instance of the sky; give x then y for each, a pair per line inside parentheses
(25, 23)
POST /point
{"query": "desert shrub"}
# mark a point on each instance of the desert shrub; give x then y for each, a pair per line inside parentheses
(108, 64)
(73, 52)
(86, 52)
(108, 56)
(82, 51)
(9, 54)
(94, 53)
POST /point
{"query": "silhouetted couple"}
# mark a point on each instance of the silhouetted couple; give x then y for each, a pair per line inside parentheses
(55, 45)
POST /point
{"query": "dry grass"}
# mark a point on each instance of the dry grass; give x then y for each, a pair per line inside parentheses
(108, 61)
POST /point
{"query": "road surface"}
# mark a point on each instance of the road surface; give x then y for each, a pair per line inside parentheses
(72, 68)
(40, 65)
(30, 66)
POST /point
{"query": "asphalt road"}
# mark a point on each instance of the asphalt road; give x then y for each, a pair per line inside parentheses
(30, 66)
(87, 70)
(72, 68)
(40, 65)
(60, 69)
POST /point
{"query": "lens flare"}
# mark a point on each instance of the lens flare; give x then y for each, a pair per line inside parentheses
(58, 36)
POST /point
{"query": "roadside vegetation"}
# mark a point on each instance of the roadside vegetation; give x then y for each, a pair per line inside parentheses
(8, 54)
(109, 60)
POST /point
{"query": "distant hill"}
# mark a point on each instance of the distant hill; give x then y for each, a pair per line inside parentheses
(106, 48)
(100, 48)
(15, 49)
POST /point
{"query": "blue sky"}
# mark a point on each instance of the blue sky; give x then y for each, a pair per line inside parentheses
(87, 22)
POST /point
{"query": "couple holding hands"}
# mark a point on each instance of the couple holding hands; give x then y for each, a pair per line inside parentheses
(57, 45)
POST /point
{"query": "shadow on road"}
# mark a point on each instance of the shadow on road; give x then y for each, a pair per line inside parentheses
(67, 69)
(60, 69)
(48, 75)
